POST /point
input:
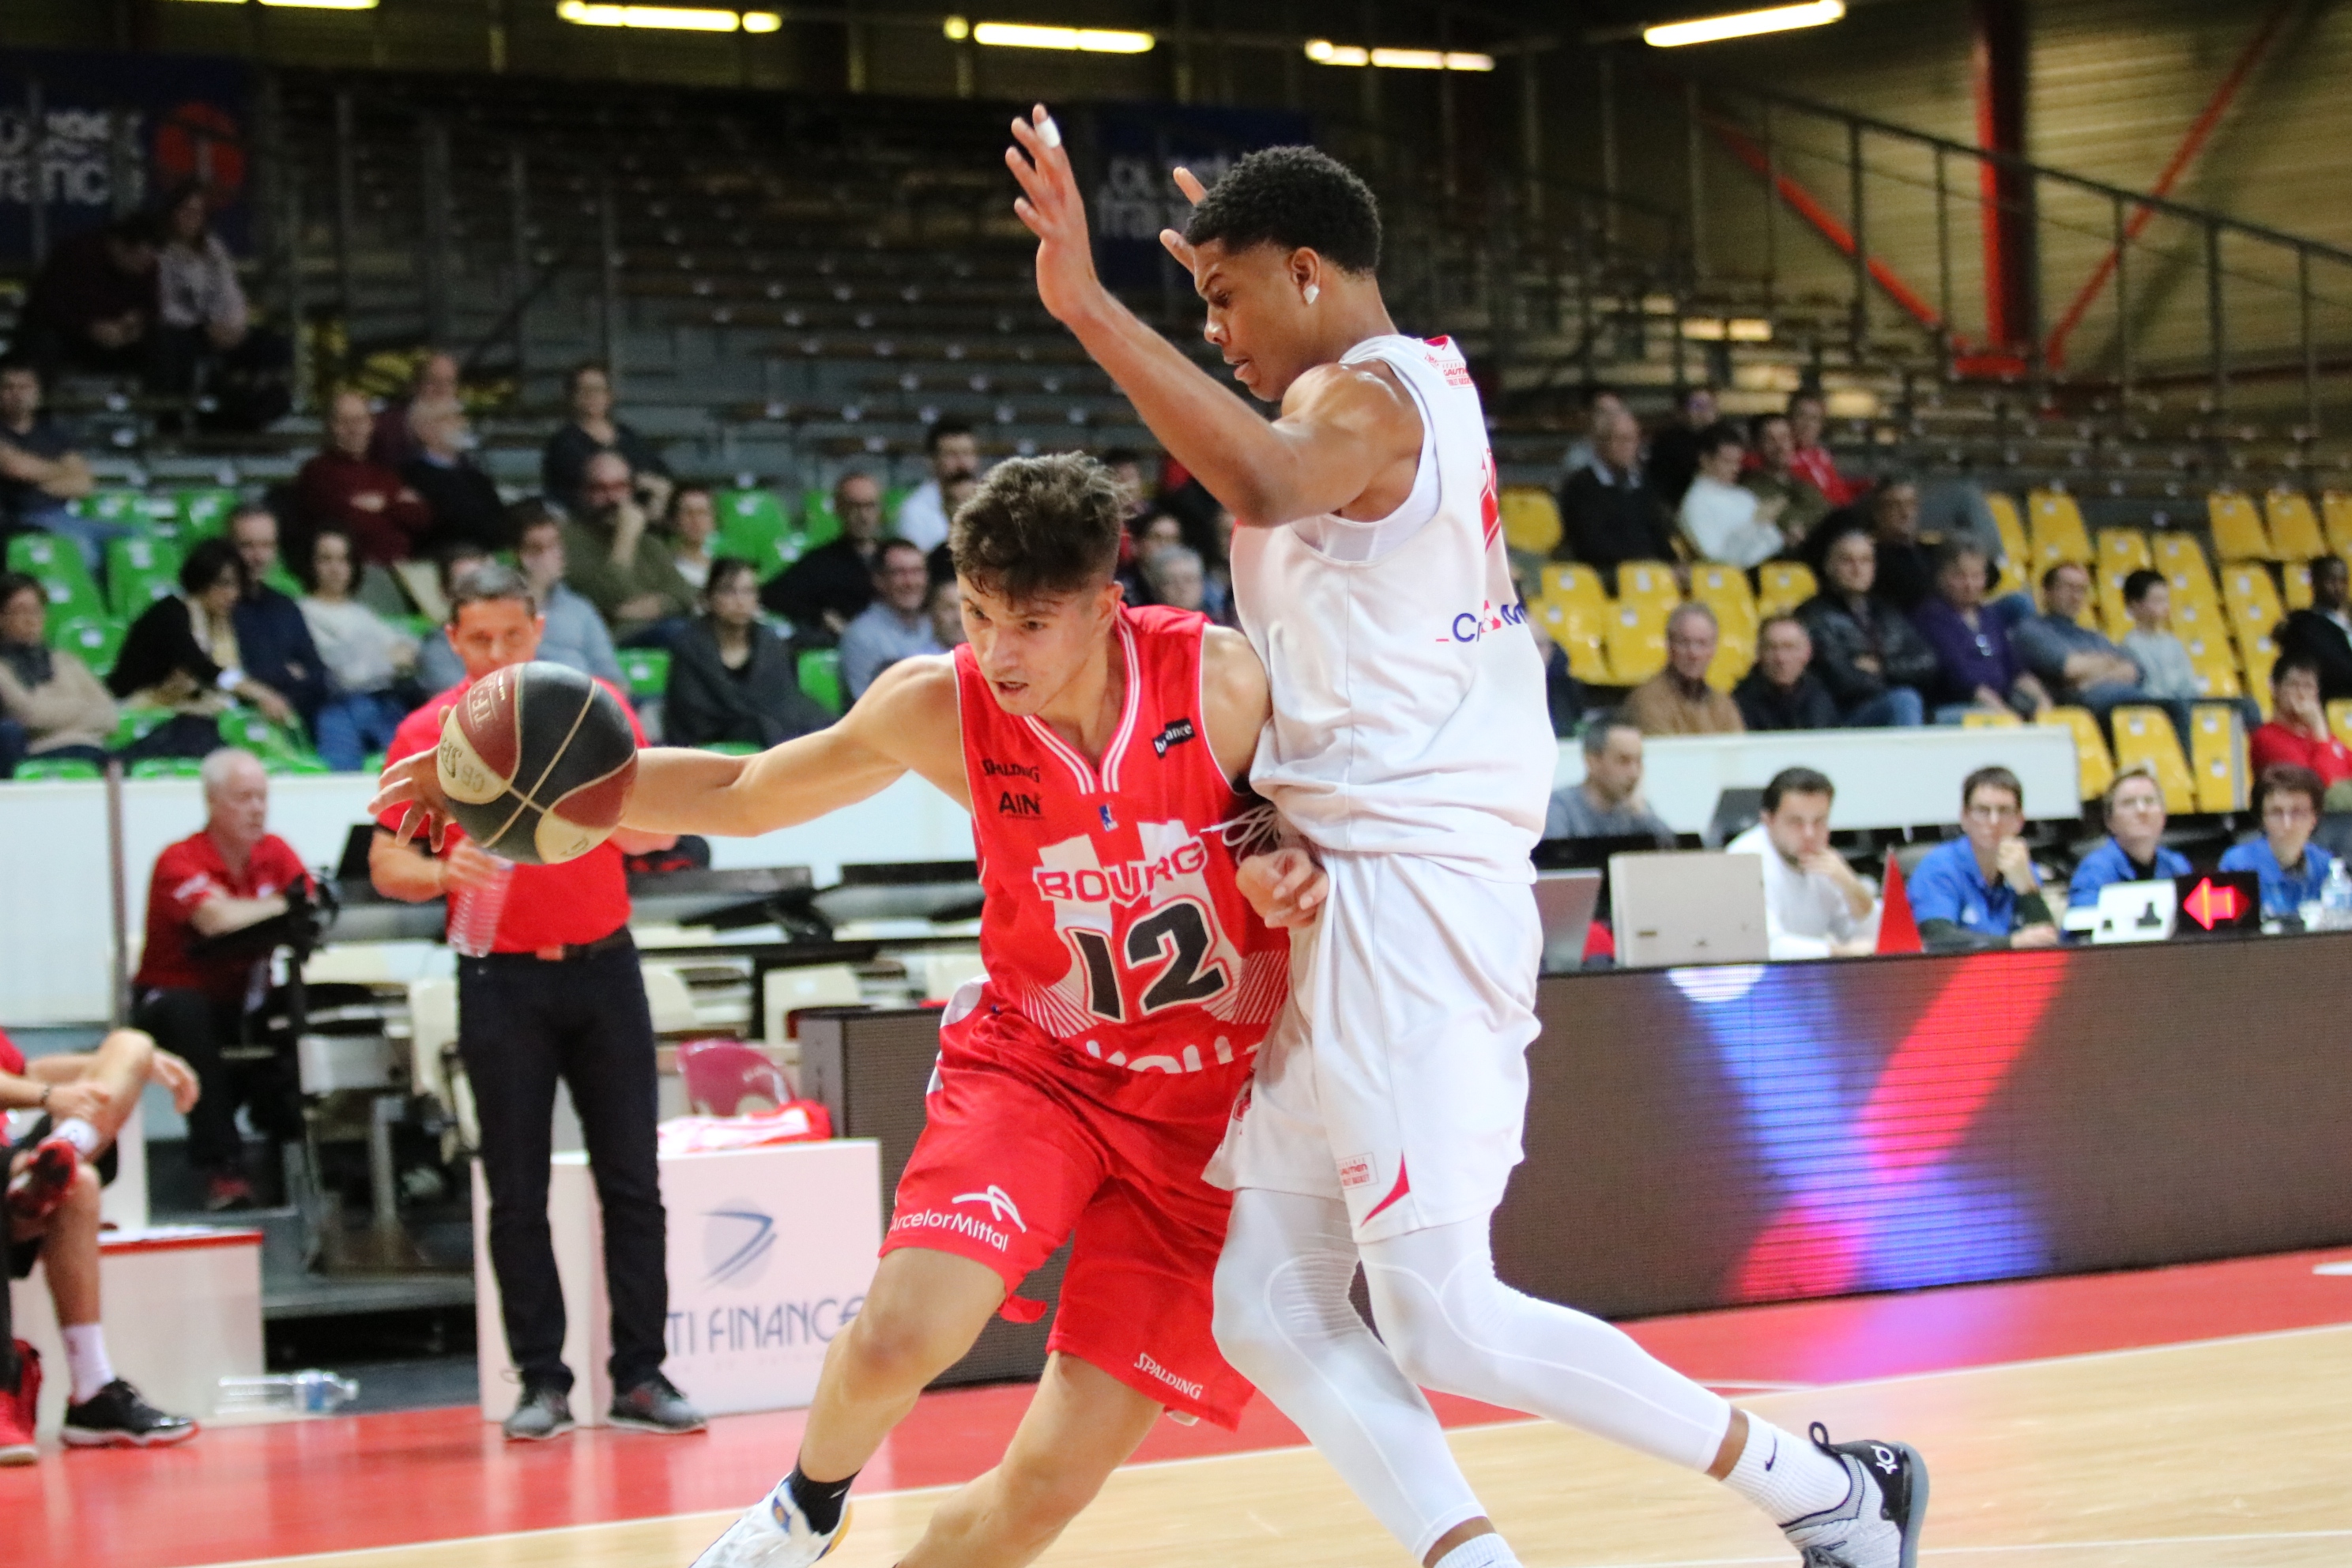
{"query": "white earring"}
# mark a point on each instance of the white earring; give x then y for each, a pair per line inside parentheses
(1312, 290)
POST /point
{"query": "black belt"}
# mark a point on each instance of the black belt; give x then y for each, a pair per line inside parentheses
(564, 951)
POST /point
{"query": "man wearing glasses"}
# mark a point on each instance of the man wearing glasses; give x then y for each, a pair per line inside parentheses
(1978, 892)
(2292, 867)
(2134, 850)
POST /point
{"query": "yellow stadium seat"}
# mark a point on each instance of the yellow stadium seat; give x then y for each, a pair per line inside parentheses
(2114, 617)
(2144, 738)
(2183, 561)
(2095, 769)
(1648, 583)
(2217, 754)
(2014, 578)
(1531, 518)
(2123, 551)
(1734, 657)
(1636, 642)
(2216, 665)
(2237, 524)
(1574, 583)
(2295, 527)
(2251, 599)
(1990, 719)
(2340, 719)
(2258, 654)
(2011, 525)
(1782, 585)
(1724, 590)
(1581, 630)
(2058, 531)
(2336, 511)
(2294, 577)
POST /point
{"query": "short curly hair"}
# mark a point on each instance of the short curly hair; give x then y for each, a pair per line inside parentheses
(1292, 197)
(1038, 528)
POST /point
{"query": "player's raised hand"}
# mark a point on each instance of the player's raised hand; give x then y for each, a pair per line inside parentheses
(1285, 886)
(1178, 245)
(1056, 213)
(413, 785)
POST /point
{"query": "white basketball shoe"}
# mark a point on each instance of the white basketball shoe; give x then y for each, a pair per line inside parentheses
(773, 1533)
(1877, 1526)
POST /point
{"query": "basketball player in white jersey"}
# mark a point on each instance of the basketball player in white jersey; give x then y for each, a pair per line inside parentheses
(1411, 748)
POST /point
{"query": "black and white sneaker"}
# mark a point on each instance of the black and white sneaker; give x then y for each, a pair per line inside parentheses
(117, 1417)
(656, 1405)
(541, 1413)
(1877, 1526)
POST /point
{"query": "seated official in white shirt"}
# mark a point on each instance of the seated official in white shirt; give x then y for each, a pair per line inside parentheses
(1814, 904)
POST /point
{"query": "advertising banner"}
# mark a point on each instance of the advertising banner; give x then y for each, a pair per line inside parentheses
(1135, 198)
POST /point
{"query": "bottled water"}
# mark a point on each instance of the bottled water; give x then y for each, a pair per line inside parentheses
(310, 1393)
(2336, 900)
(474, 912)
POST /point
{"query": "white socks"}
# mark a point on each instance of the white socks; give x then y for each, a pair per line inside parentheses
(84, 1137)
(86, 1360)
(1786, 1476)
(1480, 1552)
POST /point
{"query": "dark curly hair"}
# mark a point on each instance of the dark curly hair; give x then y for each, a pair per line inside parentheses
(1039, 527)
(1293, 197)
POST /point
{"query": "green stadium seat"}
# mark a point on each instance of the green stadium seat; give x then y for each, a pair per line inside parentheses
(90, 639)
(167, 768)
(113, 505)
(820, 672)
(284, 580)
(257, 733)
(132, 724)
(203, 510)
(138, 572)
(754, 527)
(373, 763)
(59, 770)
(819, 525)
(646, 670)
(297, 762)
(734, 748)
(891, 500)
(56, 565)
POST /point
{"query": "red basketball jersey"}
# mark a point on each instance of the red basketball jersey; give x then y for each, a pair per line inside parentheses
(1112, 921)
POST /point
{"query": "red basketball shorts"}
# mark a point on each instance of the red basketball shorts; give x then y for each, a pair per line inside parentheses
(1016, 1155)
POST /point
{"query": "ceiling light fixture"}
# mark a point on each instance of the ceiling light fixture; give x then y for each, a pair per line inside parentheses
(672, 19)
(1084, 40)
(1743, 24)
(323, 5)
(1324, 52)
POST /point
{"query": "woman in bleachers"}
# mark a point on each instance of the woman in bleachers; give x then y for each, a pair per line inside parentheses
(693, 520)
(592, 429)
(732, 679)
(52, 706)
(368, 659)
(181, 654)
(204, 328)
(1975, 668)
(1872, 659)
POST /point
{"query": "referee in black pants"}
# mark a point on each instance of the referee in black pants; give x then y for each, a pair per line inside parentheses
(558, 996)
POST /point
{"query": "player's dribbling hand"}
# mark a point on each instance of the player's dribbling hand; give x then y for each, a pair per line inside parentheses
(412, 786)
(1286, 887)
(1056, 213)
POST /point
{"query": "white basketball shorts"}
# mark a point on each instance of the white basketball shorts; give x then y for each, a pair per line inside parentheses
(1396, 1075)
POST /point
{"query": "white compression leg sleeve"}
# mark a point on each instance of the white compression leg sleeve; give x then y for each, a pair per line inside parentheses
(1285, 1322)
(1453, 1326)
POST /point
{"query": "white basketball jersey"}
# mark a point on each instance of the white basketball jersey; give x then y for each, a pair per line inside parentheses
(1409, 713)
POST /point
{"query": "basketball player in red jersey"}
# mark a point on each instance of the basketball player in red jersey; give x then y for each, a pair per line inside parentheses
(1082, 1089)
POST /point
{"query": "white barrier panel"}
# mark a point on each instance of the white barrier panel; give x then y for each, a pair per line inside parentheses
(770, 1251)
(1884, 778)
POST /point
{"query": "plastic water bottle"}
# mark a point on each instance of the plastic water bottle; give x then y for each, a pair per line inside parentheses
(474, 912)
(310, 1393)
(2336, 900)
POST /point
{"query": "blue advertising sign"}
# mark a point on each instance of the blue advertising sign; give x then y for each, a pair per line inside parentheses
(1135, 197)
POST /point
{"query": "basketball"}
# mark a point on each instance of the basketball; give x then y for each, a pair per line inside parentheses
(537, 761)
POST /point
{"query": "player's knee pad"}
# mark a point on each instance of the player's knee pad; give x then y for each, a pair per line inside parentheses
(1281, 1288)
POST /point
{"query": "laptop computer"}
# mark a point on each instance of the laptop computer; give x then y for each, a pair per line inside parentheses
(1564, 904)
(1695, 907)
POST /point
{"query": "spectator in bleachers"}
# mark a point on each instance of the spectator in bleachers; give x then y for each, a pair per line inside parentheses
(205, 333)
(620, 563)
(270, 631)
(2322, 632)
(1801, 507)
(591, 432)
(81, 1100)
(1563, 693)
(2134, 849)
(92, 304)
(2298, 734)
(52, 706)
(732, 679)
(1808, 418)
(922, 519)
(1723, 521)
(573, 633)
(1608, 513)
(1674, 449)
(2074, 663)
(1873, 661)
(181, 654)
(895, 626)
(945, 606)
(366, 658)
(692, 522)
(1173, 575)
(832, 585)
(1125, 466)
(41, 473)
(1906, 568)
(1814, 905)
(2291, 868)
(433, 379)
(1677, 700)
(1980, 890)
(1599, 404)
(2167, 672)
(1147, 534)
(232, 874)
(463, 500)
(1782, 692)
(1975, 669)
(340, 487)
(1608, 804)
(438, 668)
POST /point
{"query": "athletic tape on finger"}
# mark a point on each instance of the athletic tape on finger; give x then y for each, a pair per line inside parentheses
(1049, 132)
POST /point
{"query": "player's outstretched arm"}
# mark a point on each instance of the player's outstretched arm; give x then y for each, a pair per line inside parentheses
(1338, 427)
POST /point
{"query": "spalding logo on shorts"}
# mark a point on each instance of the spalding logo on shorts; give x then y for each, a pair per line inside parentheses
(538, 762)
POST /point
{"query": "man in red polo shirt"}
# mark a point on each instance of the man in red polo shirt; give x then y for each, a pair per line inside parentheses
(558, 995)
(233, 874)
(79, 1103)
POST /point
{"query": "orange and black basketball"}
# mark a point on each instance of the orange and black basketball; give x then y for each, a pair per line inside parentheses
(538, 762)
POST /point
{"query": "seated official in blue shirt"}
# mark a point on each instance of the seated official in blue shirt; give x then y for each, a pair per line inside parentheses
(1978, 892)
(2292, 867)
(2134, 850)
